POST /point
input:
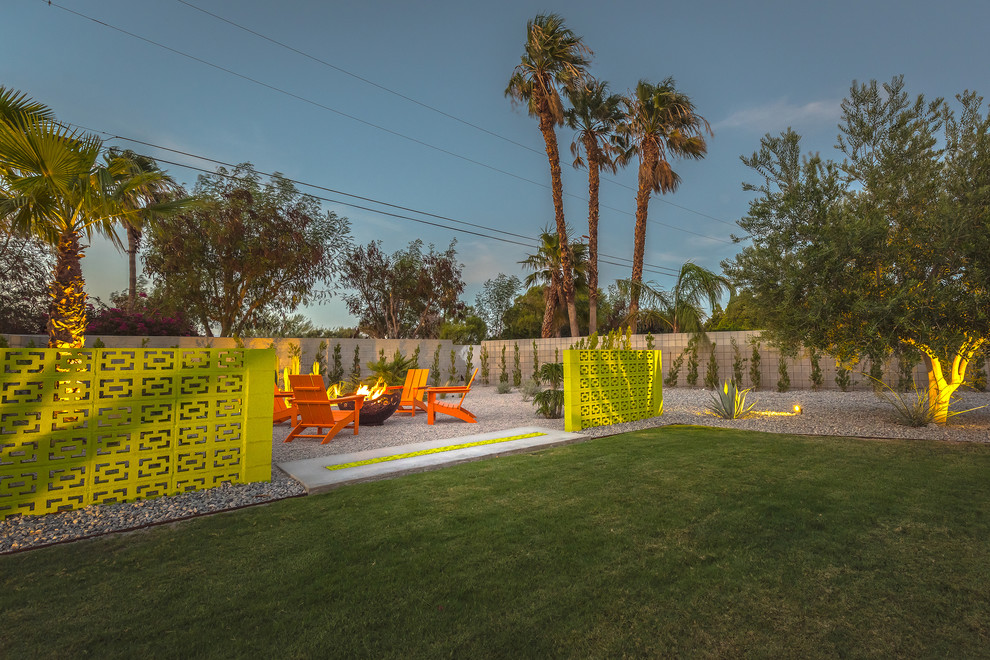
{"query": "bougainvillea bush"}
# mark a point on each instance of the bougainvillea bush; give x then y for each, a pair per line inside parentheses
(143, 320)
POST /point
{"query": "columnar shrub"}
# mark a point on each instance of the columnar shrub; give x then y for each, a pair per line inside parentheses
(503, 376)
(784, 381)
(536, 361)
(469, 365)
(755, 374)
(516, 369)
(356, 365)
(711, 373)
(674, 373)
(435, 370)
(738, 362)
(692, 351)
(452, 369)
(337, 374)
(485, 367)
(817, 379)
(650, 341)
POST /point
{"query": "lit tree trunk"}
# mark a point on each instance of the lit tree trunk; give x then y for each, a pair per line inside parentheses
(593, 184)
(557, 186)
(649, 156)
(942, 385)
(67, 308)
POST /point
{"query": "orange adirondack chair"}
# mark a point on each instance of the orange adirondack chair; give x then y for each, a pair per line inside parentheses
(412, 391)
(285, 409)
(317, 411)
(434, 405)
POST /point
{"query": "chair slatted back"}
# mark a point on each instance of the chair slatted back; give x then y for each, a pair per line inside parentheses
(311, 399)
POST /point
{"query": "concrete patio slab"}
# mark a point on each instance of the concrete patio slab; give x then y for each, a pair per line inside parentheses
(388, 462)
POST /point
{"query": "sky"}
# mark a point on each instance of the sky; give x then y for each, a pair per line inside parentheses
(403, 103)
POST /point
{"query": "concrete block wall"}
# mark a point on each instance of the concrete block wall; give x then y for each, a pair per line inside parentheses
(673, 345)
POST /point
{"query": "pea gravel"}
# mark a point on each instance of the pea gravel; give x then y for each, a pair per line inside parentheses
(856, 413)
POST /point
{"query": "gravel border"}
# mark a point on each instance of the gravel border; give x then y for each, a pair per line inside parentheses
(857, 414)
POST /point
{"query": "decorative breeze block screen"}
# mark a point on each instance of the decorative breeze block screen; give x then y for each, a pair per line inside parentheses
(610, 387)
(98, 426)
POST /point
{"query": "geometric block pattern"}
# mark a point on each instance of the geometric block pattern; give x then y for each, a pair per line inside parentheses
(99, 426)
(610, 387)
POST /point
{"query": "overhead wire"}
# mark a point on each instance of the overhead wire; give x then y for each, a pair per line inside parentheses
(363, 121)
(603, 258)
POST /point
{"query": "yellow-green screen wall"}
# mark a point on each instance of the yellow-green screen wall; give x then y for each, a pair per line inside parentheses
(610, 387)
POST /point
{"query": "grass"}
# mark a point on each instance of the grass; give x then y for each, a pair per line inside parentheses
(678, 541)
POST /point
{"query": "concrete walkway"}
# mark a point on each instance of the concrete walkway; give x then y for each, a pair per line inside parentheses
(388, 462)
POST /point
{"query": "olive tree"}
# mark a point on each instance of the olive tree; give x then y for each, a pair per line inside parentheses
(889, 247)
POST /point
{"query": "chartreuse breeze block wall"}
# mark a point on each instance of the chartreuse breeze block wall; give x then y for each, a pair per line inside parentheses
(98, 426)
(610, 387)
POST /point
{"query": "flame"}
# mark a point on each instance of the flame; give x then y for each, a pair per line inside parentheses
(370, 394)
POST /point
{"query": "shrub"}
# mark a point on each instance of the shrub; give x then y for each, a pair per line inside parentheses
(692, 350)
(485, 367)
(516, 370)
(435, 370)
(650, 341)
(148, 322)
(503, 376)
(393, 371)
(469, 364)
(674, 373)
(536, 362)
(817, 379)
(530, 388)
(755, 375)
(503, 387)
(843, 378)
(356, 365)
(784, 382)
(738, 361)
(452, 369)
(337, 374)
(550, 403)
(730, 402)
(711, 373)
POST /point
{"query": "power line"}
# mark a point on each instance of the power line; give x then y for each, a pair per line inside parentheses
(420, 103)
(603, 258)
(358, 119)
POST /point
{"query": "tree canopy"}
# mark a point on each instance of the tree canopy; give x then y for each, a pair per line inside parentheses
(888, 247)
(404, 295)
(494, 301)
(250, 248)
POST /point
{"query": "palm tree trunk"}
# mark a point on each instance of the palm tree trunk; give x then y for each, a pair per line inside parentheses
(557, 186)
(549, 311)
(593, 185)
(67, 308)
(133, 243)
(649, 155)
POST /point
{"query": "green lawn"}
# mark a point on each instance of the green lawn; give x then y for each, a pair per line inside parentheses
(676, 541)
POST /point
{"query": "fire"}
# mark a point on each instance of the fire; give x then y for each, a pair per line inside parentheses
(370, 394)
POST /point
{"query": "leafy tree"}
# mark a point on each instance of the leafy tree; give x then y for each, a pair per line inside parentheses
(248, 249)
(661, 123)
(547, 265)
(470, 330)
(891, 246)
(554, 60)
(495, 300)
(25, 270)
(595, 115)
(54, 186)
(404, 295)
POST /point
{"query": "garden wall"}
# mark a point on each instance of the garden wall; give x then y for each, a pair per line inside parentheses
(98, 426)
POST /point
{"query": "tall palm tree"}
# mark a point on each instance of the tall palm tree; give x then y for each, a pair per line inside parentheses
(158, 195)
(554, 59)
(661, 122)
(595, 114)
(547, 267)
(54, 186)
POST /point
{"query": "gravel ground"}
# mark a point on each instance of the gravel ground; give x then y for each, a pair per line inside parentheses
(859, 414)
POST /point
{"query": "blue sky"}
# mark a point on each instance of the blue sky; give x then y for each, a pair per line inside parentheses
(751, 68)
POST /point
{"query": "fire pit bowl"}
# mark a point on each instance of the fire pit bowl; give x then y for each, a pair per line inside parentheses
(374, 412)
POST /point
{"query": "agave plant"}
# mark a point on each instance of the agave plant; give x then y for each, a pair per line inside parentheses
(730, 402)
(913, 409)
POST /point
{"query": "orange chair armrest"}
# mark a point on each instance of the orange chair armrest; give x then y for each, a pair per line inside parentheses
(448, 390)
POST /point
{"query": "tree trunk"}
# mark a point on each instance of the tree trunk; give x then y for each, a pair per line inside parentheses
(67, 308)
(593, 185)
(133, 243)
(649, 156)
(941, 387)
(557, 186)
(549, 310)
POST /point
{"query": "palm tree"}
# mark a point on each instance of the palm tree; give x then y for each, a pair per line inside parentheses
(159, 195)
(554, 59)
(595, 114)
(661, 122)
(681, 307)
(547, 267)
(53, 186)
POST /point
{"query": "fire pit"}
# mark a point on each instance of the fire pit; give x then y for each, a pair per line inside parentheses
(374, 412)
